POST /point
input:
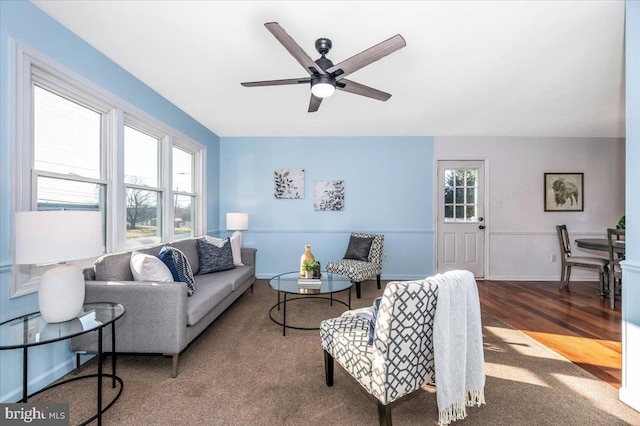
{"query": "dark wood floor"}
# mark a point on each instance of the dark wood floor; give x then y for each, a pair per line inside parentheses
(577, 324)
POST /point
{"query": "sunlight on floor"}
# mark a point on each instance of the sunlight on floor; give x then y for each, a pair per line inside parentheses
(517, 374)
(584, 386)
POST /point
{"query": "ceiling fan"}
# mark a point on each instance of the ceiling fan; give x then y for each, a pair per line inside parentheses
(324, 76)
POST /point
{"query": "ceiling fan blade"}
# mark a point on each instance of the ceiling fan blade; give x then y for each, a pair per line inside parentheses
(276, 82)
(293, 48)
(314, 103)
(366, 57)
(362, 90)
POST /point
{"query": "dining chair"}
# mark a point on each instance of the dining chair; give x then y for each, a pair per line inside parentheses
(615, 271)
(569, 261)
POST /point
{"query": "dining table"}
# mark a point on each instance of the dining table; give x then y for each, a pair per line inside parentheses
(601, 244)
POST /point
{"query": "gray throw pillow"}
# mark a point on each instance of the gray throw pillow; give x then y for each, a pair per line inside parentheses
(359, 248)
(214, 257)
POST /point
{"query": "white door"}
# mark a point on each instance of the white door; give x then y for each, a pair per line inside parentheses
(460, 216)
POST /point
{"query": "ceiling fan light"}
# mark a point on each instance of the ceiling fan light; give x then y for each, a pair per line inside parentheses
(322, 87)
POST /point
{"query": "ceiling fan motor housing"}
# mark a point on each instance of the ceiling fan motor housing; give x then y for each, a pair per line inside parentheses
(323, 46)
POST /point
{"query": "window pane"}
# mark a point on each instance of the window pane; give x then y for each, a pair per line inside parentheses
(448, 212)
(471, 177)
(459, 195)
(471, 195)
(448, 195)
(62, 194)
(182, 170)
(471, 213)
(449, 178)
(460, 177)
(140, 158)
(144, 217)
(67, 136)
(184, 216)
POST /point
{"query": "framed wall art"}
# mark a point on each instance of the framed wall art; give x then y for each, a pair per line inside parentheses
(563, 192)
(328, 195)
(288, 183)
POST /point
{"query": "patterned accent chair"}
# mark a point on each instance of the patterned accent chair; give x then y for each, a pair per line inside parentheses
(358, 270)
(401, 358)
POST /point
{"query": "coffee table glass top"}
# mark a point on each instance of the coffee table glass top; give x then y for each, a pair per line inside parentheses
(32, 329)
(331, 283)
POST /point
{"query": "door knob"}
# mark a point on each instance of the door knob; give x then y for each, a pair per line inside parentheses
(481, 227)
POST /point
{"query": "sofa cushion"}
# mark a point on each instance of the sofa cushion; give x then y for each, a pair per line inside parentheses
(209, 295)
(181, 267)
(146, 267)
(114, 267)
(215, 257)
(188, 247)
(236, 277)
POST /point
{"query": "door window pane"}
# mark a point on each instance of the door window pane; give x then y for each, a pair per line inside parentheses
(67, 136)
(140, 158)
(144, 217)
(184, 216)
(182, 170)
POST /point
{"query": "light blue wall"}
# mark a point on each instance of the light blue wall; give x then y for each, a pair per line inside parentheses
(630, 391)
(24, 22)
(388, 190)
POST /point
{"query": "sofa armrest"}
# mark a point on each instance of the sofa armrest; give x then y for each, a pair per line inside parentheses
(155, 320)
(249, 256)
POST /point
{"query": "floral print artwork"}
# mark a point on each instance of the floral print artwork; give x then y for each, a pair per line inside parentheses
(328, 195)
(288, 183)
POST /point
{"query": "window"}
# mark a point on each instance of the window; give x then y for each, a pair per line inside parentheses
(183, 193)
(460, 195)
(142, 187)
(79, 147)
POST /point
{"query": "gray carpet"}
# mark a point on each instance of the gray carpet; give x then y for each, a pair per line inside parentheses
(242, 371)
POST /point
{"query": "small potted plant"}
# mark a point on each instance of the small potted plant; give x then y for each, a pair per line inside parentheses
(310, 266)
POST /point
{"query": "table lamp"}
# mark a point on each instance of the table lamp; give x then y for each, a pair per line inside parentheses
(237, 222)
(58, 236)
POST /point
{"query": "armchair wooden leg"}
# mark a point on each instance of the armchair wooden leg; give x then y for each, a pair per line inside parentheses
(378, 279)
(174, 365)
(358, 290)
(328, 368)
(384, 414)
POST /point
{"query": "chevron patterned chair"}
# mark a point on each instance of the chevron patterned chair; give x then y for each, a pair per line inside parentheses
(360, 263)
(396, 357)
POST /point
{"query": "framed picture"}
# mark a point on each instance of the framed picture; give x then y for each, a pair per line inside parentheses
(328, 195)
(564, 192)
(288, 183)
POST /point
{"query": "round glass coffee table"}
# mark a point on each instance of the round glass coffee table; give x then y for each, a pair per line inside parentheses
(287, 284)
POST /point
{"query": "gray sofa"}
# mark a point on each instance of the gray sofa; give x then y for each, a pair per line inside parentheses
(159, 317)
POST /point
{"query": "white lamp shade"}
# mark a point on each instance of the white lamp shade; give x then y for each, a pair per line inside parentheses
(237, 221)
(57, 236)
(323, 90)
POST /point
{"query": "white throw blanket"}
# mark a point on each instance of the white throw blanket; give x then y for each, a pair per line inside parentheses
(457, 346)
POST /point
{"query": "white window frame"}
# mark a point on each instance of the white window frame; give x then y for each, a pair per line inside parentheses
(30, 65)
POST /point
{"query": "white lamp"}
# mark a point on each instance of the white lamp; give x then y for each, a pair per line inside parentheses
(237, 222)
(58, 236)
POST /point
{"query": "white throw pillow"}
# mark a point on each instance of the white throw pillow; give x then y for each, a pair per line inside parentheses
(236, 246)
(149, 268)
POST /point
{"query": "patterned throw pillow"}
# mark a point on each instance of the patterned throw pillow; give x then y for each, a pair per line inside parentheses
(214, 257)
(179, 266)
(372, 321)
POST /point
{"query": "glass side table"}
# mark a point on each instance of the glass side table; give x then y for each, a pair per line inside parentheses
(32, 330)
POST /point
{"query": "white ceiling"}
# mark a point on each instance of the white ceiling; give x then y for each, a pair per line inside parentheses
(475, 68)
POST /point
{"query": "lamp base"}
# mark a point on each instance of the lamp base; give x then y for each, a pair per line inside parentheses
(61, 293)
